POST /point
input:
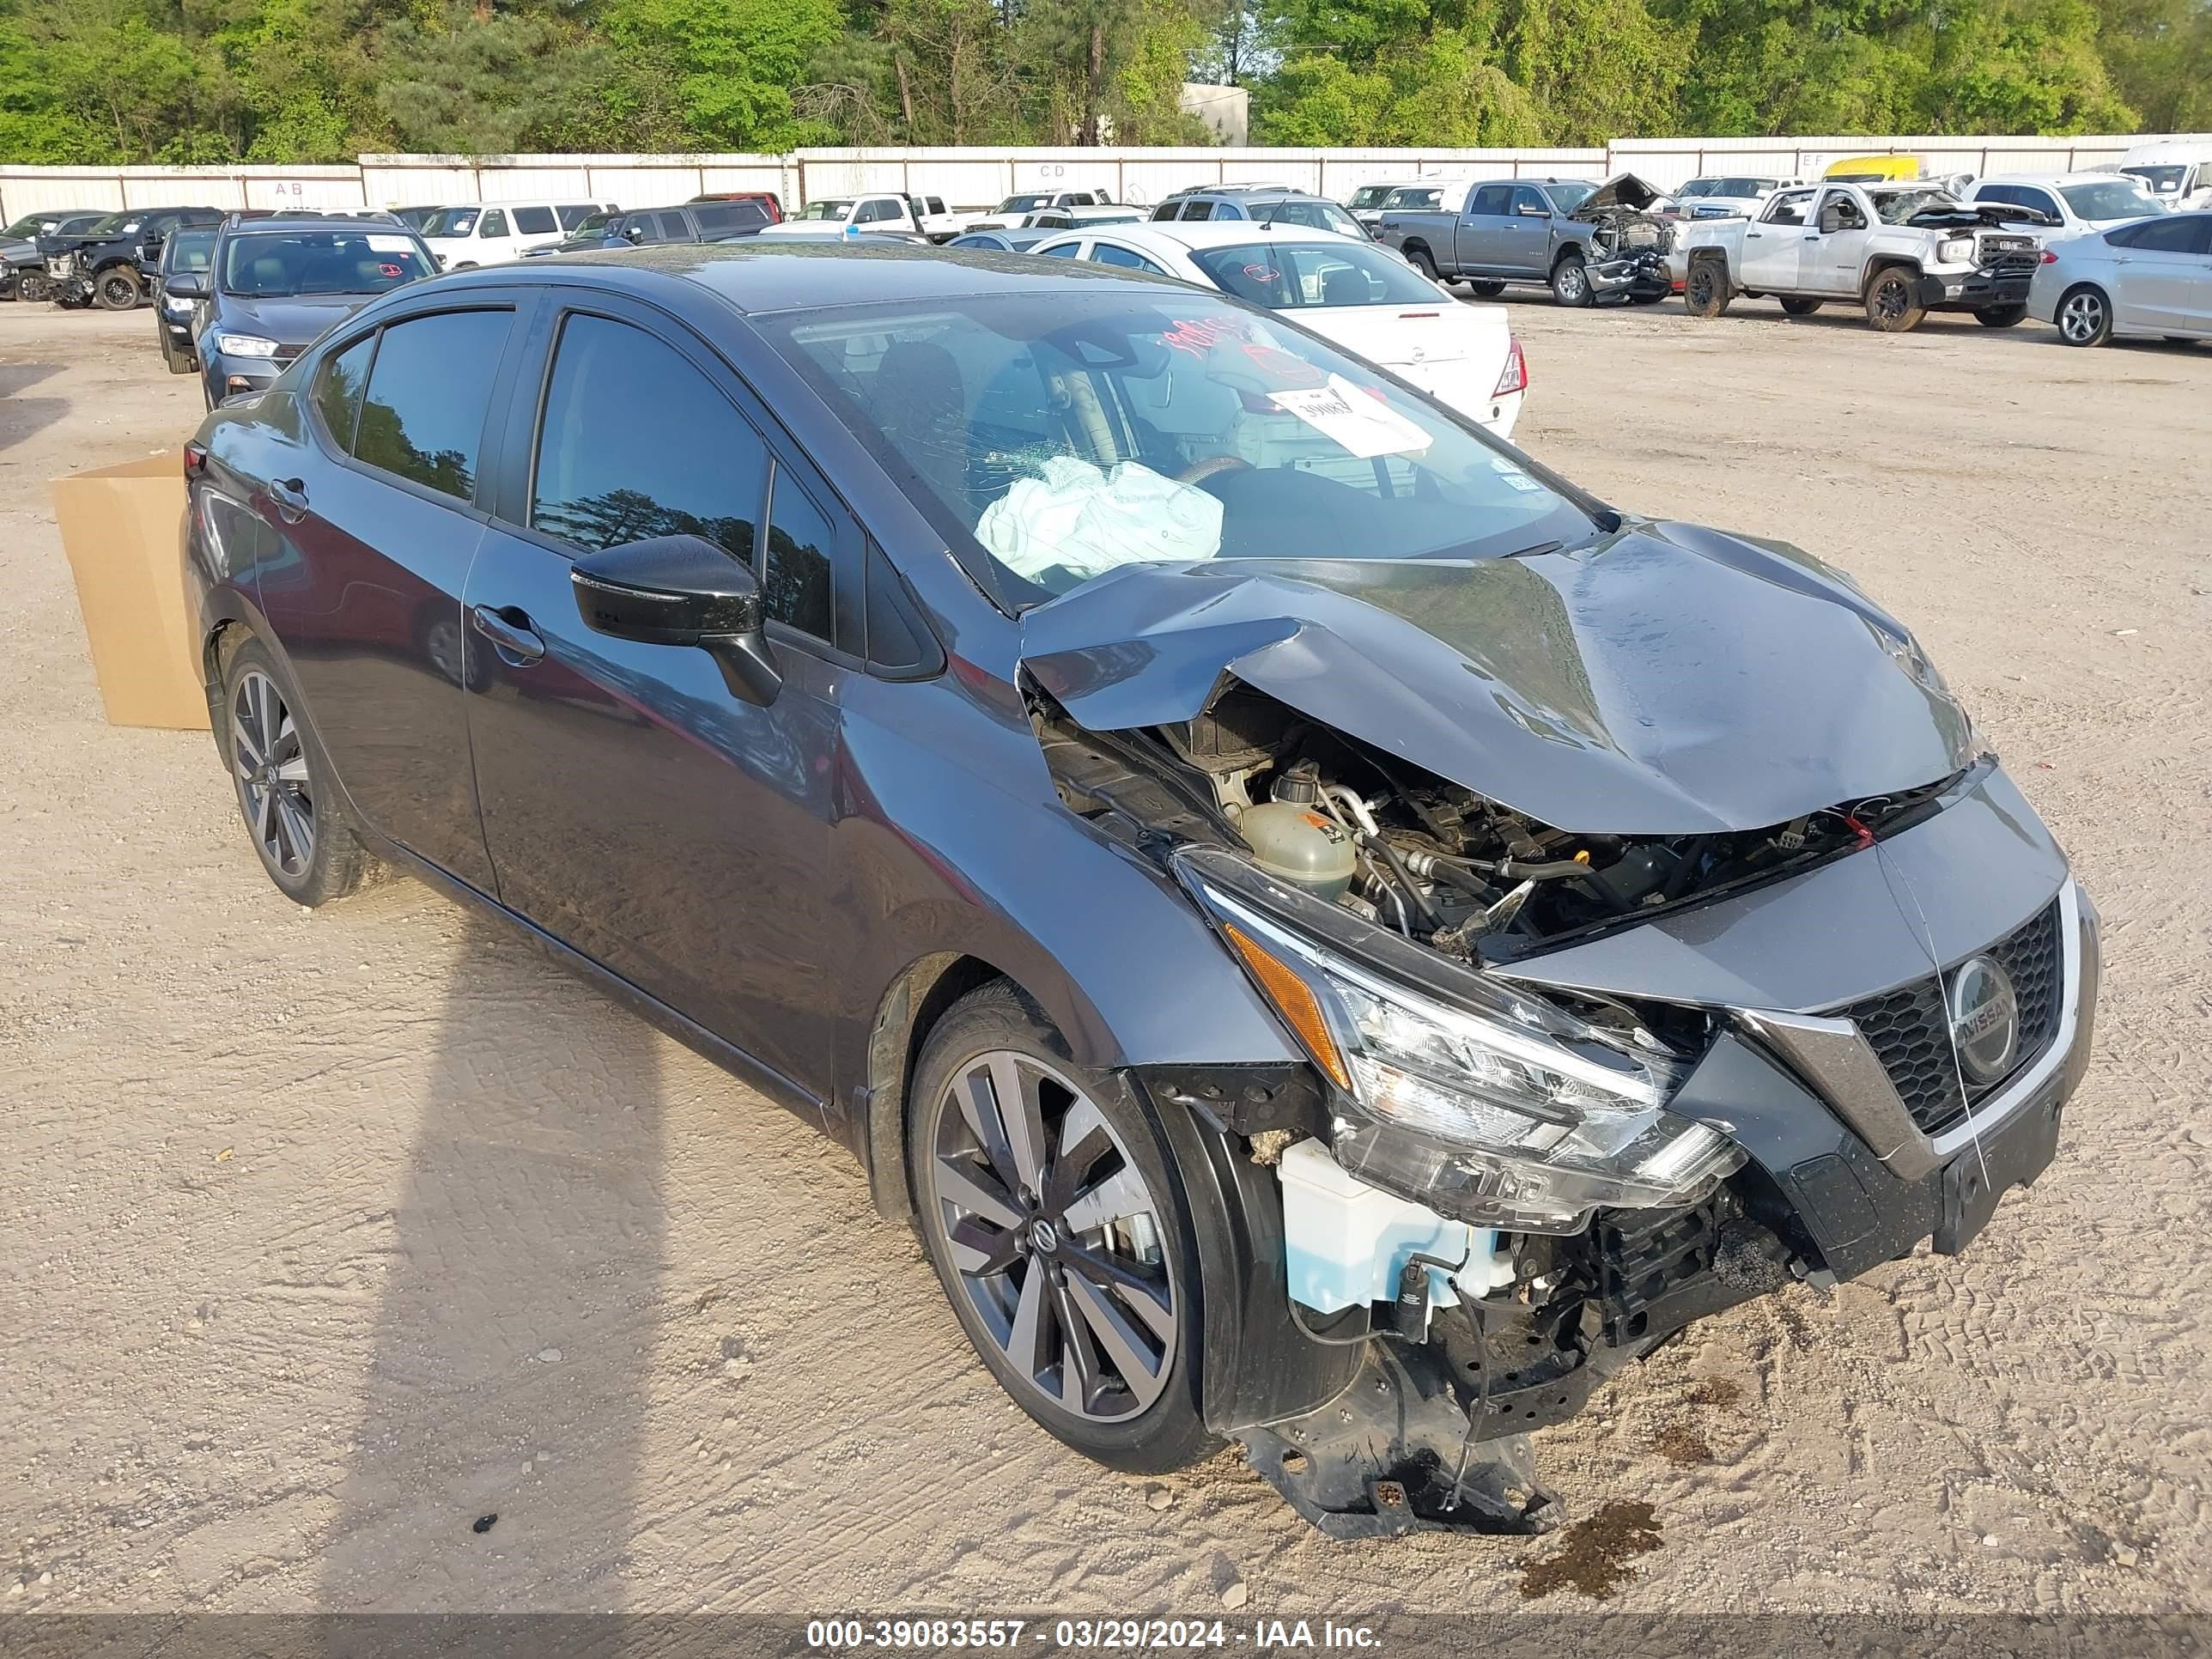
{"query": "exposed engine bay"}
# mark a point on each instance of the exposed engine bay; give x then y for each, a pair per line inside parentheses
(1628, 242)
(1438, 863)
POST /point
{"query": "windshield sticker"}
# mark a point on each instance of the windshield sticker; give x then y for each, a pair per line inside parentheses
(391, 273)
(389, 244)
(1363, 427)
(1520, 481)
(1199, 335)
(1263, 273)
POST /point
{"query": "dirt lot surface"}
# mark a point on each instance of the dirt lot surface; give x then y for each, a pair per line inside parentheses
(323, 1235)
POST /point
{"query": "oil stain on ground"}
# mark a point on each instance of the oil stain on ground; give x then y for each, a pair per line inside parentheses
(1595, 1553)
(1681, 1445)
(1714, 1391)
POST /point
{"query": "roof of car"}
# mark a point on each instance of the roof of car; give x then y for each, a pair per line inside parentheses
(2048, 179)
(759, 275)
(310, 221)
(1211, 232)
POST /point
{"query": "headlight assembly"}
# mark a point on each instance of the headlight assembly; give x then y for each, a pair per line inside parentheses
(1490, 1103)
(1958, 251)
(245, 345)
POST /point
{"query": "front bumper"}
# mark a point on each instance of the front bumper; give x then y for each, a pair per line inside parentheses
(1640, 273)
(1975, 291)
(1840, 1178)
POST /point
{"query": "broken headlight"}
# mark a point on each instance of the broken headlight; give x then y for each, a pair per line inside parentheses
(1483, 1102)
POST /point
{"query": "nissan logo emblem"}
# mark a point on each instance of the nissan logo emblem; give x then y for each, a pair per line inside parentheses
(1985, 1012)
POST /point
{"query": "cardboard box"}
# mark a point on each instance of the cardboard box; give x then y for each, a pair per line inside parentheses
(123, 528)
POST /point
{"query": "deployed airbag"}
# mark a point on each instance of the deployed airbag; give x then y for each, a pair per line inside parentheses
(1080, 519)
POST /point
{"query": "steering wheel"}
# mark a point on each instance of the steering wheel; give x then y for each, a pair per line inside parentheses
(1199, 470)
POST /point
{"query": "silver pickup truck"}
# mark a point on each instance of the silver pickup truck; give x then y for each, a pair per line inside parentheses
(1900, 250)
(1585, 244)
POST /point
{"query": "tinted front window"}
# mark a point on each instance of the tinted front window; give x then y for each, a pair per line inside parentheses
(638, 443)
(423, 417)
(339, 389)
(275, 264)
(535, 221)
(2120, 199)
(1199, 210)
(598, 224)
(834, 207)
(573, 218)
(796, 584)
(1055, 435)
(451, 222)
(494, 223)
(1370, 195)
(1285, 278)
(1025, 203)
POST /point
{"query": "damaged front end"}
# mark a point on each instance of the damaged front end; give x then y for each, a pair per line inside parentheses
(1572, 1088)
(1628, 243)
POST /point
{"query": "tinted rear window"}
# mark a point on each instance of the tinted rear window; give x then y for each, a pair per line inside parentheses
(535, 221)
(423, 417)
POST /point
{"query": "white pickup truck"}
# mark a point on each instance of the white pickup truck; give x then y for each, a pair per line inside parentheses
(1900, 250)
(917, 215)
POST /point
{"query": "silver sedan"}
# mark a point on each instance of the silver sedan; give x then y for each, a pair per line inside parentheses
(2151, 277)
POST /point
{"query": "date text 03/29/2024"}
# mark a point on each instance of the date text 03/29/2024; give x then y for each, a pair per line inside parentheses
(1006, 1635)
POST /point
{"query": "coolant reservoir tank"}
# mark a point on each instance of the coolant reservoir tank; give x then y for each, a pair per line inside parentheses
(1300, 845)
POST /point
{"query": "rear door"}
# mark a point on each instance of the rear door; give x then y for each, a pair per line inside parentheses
(377, 516)
(2159, 269)
(1773, 244)
(634, 806)
(1483, 241)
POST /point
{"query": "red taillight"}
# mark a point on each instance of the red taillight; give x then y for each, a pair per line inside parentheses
(2048, 258)
(195, 459)
(1515, 376)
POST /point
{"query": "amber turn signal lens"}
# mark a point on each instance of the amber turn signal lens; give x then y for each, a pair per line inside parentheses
(1294, 1000)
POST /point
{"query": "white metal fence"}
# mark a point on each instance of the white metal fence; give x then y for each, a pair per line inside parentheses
(978, 178)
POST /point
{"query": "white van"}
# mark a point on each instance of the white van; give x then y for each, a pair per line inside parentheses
(491, 233)
(2178, 172)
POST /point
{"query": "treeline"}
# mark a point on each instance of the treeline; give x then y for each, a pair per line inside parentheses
(292, 81)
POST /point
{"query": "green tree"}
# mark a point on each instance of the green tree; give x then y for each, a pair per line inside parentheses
(730, 66)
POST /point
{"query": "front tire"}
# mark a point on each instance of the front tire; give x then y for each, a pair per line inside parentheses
(2000, 316)
(1570, 283)
(1059, 1232)
(32, 288)
(1705, 288)
(116, 289)
(1892, 301)
(2085, 316)
(293, 811)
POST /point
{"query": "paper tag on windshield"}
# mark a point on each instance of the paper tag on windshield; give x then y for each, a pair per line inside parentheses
(390, 244)
(1362, 426)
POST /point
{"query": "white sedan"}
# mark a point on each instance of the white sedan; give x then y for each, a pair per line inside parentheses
(1354, 295)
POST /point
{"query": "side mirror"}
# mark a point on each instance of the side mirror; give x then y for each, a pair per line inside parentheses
(1831, 220)
(1527, 212)
(681, 590)
(634, 232)
(184, 285)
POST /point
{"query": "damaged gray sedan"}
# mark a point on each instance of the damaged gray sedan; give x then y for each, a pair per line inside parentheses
(1339, 940)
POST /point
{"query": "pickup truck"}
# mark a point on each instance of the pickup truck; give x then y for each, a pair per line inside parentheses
(1899, 250)
(1585, 244)
(112, 263)
(921, 215)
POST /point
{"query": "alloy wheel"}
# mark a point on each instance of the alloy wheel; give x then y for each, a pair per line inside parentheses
(1889, 299)
(271, 764)
(1572, 282)
(2081, 318)
(1054, 1235)
(118, 292)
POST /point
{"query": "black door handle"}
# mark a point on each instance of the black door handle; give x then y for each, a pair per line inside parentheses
(290, 497)
(508, 630)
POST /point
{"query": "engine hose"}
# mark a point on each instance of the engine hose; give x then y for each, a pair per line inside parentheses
(1430, 920)
(1551, 870)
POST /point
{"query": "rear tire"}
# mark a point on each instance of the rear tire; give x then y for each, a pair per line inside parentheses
(117, 289)
(1705, 289)
(292, 809)
(1066, 1248)
(1419, 258)
(1570, 283)
(1797, 307)
(2000, 316)
(1485, 290)
(2085, 316)
(1892, 301)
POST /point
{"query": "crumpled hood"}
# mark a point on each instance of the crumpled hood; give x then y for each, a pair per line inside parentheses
(290, 322)
(1623, 190)
(1667, 680)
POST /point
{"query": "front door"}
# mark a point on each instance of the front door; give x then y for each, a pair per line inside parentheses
(376, 522)
(1835, 246)
(1774, 242)
(2159, 272)
(635, 807)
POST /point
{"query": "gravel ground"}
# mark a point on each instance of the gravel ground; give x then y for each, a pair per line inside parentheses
(323, 1236)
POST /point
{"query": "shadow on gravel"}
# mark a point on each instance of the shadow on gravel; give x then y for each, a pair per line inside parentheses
(508, 1376)
(22, 418)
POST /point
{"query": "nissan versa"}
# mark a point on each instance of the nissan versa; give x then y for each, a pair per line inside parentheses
(1338, 938)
